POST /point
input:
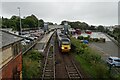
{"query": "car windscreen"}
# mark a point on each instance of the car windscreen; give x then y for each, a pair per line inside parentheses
(110, 59)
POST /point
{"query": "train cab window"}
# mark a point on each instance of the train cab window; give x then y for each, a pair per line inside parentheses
(65, 41)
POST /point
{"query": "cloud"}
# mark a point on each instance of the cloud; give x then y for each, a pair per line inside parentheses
(59, 0)
(105, 13)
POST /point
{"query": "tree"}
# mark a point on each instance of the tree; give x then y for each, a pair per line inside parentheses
(92, 27)
(50, 23)
(29, 22)
(41, 23)
(35, 20)
(84, 26)
(100, 28)
(15, 22)
(77, 25)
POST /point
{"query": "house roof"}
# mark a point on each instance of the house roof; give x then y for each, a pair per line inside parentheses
(8, 38)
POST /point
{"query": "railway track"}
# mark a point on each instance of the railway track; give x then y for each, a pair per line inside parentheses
(71, 68)
(49, 66)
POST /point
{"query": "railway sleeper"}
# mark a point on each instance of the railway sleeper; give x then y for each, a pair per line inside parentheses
(48, 70)
(70, 65)
(72, 72)
(50, 58)
(49, 65)
(71, 69)
(50, 62)
(50, 55)
(48, 76)
(74, 77)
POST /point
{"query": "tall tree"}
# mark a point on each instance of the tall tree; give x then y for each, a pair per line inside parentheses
(92, 27)
(100, 28)
(29, 22)
(41, 23)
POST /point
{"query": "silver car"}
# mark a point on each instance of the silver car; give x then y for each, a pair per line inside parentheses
(114, 61)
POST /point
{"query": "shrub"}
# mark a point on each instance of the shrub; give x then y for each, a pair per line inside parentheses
(86, 38)
(31, 67)
(101, 70)
(80, 37)
(79, 50)
(35, 55)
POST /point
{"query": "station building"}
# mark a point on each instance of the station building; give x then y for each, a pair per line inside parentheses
(10, 56)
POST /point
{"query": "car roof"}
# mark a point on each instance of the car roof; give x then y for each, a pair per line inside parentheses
(114, 57)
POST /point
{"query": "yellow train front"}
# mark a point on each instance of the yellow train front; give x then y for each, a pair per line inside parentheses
(65, 45)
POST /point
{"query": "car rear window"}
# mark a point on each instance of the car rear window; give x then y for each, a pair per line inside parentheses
(117, 60)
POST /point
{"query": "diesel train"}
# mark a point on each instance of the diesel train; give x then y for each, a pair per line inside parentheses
(63, 42)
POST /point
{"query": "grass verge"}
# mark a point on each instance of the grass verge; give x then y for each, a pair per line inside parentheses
(90, 60)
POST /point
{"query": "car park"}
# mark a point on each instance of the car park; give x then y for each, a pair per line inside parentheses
(114, 61)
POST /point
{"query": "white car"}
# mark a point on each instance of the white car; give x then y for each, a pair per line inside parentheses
(27, 41)
(114, 61)
(23, 43)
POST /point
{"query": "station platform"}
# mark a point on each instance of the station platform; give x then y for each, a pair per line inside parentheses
(41, 45)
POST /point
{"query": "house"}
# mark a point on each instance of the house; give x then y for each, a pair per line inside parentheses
(10, 55)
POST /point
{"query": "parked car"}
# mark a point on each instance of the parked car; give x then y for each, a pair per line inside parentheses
(114, 61)
(33, 38)
(27, 41)
(23, 43)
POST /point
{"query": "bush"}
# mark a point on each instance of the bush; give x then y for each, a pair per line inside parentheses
(35, 55)
(80, 37)
(31, 66)
(101, 70)
(86, 38)
(79, 50)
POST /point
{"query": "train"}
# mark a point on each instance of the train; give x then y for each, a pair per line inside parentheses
(64, 42)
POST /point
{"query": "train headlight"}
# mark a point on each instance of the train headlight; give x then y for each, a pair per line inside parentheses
(62, 47)
(69, 48)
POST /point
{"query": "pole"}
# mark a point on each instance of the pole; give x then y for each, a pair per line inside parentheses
(20, 21)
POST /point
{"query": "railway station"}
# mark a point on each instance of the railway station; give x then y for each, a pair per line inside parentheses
(59, 40)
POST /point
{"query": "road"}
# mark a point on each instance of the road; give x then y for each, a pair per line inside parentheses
(109, 48)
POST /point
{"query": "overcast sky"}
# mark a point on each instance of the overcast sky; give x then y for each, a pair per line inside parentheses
(93, 13)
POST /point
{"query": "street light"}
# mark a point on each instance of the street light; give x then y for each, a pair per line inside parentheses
(20, 20)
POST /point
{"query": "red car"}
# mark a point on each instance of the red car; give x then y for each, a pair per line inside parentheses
(88, 31)
(78, 31)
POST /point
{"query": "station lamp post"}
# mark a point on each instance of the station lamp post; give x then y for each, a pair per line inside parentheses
(20, 20)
